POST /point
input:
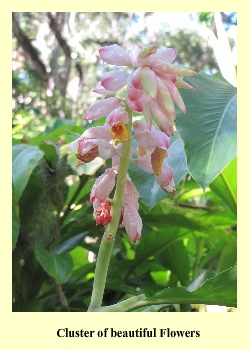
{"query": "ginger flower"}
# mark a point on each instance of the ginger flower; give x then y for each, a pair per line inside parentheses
(131, 219)
(152, 88)
(99, 195)
(89, 149)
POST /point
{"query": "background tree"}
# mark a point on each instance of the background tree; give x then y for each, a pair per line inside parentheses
(56, 62)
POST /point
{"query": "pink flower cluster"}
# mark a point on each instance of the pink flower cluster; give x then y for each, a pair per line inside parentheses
(152, 90)
(99, 196)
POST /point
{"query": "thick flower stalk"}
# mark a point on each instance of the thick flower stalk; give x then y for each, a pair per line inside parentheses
(152, 91)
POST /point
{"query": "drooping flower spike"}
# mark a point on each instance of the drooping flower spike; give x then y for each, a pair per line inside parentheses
(151, 90)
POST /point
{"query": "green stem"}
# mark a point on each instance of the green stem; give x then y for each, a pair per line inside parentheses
(107, 242)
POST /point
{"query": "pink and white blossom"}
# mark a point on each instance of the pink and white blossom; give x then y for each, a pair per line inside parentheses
(102, 212)
(149, 139)
(131, 194)
(118, 115)
(132, 222)
(103, 186)
(88, 149)
(152, 88)
(102, 108)
(114, 80)
(115, 55)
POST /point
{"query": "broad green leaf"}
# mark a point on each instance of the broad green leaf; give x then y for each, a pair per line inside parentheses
(24, 160)
(209, 127)
(225, 185)
(154, 243)
(60, 133)
(198, 281)
(57, 123)
(219, 290)
(29, 203)
(15, 223)
(79, 256)
(176, 259)
(228, 256)
(70, 243)
(150, 192)
(219, 76)
(57, 266)
(50, 153)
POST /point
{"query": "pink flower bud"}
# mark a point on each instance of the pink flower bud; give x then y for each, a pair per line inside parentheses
(132, 222)
(115, 55)
(99, 89)
(103, 186)
(102, 108)
(149, 82)
(131, 194)
(114, 80)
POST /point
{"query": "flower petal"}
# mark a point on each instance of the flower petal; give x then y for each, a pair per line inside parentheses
(166, 179)
(102, 214)
(149, 139)
(164, 98)
(115, 55)
(136, 105)
(149, 82)
(114, 80)
(131, 194)
(132, 222)
(144, 163)
(73, 147)
(165, 54)
(106, 150)
(133, 93)
(157, 158)
(149, 50)
(102, 108)
(179, 83)
(103, 186)
(146, 109)
(165, 67)
(136, 78)
(133, 52)
(97, 132)
(165, 123)
(99, 89)
(117, 115)
(175, 95)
